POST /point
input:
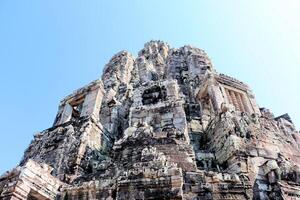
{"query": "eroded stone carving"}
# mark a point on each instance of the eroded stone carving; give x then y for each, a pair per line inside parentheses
(164, 125)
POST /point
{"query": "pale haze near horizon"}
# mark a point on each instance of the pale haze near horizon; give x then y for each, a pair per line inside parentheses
(50, 48)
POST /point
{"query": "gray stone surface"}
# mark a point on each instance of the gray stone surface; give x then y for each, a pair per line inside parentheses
(164, 125)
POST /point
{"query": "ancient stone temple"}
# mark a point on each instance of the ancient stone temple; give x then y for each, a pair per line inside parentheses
(162, 125)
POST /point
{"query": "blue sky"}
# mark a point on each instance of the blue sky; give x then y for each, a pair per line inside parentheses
(49, 48)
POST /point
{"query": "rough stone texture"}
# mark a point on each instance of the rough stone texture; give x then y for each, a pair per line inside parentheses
(164, 125)
(30, 181)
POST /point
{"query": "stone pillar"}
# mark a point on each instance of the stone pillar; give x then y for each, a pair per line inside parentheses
(228, 96)
(66, 114)
(92, 102)
(234, 100)
(245, 103)
(216, 96)
(224, 93)
(240, 102)
(252, 103)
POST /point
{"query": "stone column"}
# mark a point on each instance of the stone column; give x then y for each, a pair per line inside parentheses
(240, 102)
(252, 103)
(92, 102)
(66, 114)
(234, 100)
(216, 96)
(244, 102)
(228, 96)
(224, 93)
(247, 104)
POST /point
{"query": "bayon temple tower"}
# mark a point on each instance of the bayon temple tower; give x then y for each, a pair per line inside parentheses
(162, 125)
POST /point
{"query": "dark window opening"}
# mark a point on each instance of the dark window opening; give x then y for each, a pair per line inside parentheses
(77, 107)
(192, 111)
(154, 94)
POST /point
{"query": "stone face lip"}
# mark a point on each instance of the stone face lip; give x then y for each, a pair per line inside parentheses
(163, 125)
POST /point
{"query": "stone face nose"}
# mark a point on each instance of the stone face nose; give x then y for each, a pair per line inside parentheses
(162, 125)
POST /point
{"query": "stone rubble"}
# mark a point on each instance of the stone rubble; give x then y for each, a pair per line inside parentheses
(164, 125)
